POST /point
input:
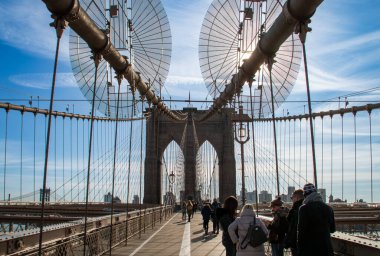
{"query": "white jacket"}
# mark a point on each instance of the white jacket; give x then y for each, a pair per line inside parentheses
(241, 224)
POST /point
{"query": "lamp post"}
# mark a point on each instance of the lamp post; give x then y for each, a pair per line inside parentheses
(171, 182)
(242, 136)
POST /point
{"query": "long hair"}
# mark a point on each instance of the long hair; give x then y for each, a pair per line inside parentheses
(231, 204)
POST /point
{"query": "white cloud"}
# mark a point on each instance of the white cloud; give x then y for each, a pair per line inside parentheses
(25, 25)
(43, 80)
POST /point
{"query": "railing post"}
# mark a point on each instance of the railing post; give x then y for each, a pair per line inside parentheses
(161, 214)
(144, 219)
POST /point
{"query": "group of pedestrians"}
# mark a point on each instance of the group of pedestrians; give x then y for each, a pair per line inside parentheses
(209, 213)
(305, 228)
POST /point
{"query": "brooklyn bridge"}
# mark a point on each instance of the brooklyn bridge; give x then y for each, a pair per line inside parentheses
(113, 113)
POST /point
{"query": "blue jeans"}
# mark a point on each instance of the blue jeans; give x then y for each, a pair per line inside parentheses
(277, 249)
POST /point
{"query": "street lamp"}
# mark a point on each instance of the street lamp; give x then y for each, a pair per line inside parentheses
(242, 136)
(171, 182)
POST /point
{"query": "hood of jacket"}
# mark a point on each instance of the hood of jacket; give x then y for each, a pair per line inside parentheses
(247, 212)
(313, 197)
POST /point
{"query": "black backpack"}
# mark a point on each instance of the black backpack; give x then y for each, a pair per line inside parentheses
(255, 235)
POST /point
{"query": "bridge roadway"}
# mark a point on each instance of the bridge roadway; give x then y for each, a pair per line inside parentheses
(174, 237)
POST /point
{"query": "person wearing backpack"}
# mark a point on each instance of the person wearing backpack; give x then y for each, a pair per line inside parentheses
(243, 237)
(189, 207)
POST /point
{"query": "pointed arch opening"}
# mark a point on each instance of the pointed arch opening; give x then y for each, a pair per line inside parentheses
(207, 172)
(172, 173)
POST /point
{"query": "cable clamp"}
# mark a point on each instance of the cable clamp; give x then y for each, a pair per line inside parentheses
(59, 24)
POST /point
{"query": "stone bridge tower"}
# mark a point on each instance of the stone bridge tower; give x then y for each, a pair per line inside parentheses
(161, 130)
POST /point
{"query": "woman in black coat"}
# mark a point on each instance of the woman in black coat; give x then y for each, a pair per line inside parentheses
(226, 216)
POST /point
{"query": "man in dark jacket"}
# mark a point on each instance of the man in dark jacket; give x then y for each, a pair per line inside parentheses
(206, 214)
(291, 235)
(315, 223)
(278, 227)
(215, 222)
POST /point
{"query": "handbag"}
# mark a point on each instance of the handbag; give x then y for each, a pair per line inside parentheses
(255, 235)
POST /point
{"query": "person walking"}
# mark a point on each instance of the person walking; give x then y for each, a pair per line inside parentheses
(292, 218)
(241, 225)
(215, 222)
(184, 209)
(315, 224)
(226, 216)
(189, 208)
(278, 227)
(195, 207)
(206, 214)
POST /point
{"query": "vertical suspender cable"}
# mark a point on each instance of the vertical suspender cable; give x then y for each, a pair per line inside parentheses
(141, 162)
(96, 61)
(71, 159)
(83, 168)
(5, 151)
(114, 161)
(21, 153)
(129, 172)
(270, 64)
(342, 162)
(370, 150)
(60, 26)
(34, 157)
(355, 153)
(78, 157)
(323, 163)
(306, 146)
(55, 158)
(289, 150)
(254, 149)
(331, 154)
(303, 38)
(294, 151)
(63, 158)
(300, 156)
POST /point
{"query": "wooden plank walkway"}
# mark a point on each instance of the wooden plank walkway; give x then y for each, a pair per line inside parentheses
(175, 237)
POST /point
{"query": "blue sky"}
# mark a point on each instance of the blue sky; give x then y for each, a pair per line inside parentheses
(341, 51)
(343, 55)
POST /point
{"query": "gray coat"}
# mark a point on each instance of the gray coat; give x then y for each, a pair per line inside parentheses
(241, 224)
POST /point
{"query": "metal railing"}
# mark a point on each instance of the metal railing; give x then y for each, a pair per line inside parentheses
(343, 244)
(67, 239)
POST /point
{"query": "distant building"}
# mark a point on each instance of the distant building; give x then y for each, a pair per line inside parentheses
(290, 193)
(331, 198)
(47, 194)
(251, 197)
(322, 192)
(117, 200)
(136, 199)
(265, 197)
(108, 198)
(241, 195)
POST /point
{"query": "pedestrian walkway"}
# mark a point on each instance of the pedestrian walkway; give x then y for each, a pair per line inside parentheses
(175, 237)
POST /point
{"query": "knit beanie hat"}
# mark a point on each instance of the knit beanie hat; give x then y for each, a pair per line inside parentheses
(308, 189)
